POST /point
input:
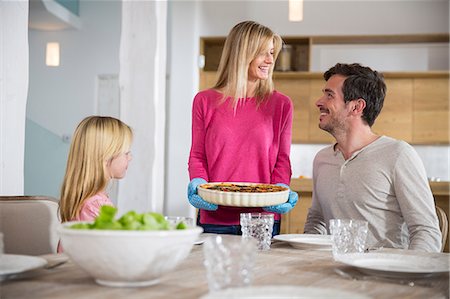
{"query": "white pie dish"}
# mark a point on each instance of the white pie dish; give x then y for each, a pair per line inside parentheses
(243, 199)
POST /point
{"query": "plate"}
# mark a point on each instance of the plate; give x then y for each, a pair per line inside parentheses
(243, 199)
(306, 241)
(280, 291)
(202, 238)
(398, 265)
(14, 264)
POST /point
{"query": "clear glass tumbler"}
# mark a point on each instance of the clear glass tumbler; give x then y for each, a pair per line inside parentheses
(175, 220)
(258, 226)
(229, 261)
(348, 236)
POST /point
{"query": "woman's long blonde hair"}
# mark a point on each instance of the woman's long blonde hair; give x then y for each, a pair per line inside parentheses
(243, 44)
(96, 140)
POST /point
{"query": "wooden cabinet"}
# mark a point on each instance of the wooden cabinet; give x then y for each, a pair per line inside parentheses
(301, 46)
(416, 107)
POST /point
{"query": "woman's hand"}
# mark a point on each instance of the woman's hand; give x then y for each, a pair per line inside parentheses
(195, 199)
(284, 207)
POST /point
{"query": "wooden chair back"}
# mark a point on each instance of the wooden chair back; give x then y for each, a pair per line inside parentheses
(443, 225)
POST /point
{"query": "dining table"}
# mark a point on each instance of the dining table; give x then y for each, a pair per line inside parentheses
(280, 266)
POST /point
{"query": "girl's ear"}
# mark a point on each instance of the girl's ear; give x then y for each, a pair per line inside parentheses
(107, 167)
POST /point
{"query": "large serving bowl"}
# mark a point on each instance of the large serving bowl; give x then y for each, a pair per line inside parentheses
(124, 257)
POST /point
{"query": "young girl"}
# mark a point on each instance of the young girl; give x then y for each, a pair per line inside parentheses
(99, 152)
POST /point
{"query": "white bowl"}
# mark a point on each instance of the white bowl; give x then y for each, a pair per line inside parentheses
(243, 199)
(124, 257)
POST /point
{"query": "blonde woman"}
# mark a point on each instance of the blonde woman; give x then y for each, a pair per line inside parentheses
(241, 128)
(99, 152)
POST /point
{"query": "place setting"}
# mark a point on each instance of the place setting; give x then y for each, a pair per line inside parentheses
(14, 266)
(306, 241)
(391, 265)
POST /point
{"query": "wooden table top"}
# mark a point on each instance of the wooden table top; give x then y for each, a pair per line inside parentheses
(281, 265)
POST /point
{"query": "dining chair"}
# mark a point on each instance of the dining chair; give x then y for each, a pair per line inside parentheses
(443, 225)
(28, 224)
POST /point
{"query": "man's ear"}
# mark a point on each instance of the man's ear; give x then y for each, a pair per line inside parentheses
(359, 105)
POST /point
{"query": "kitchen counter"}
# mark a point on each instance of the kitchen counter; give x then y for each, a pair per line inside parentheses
(305, 185)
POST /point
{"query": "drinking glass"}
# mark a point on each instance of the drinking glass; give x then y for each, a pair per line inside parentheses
(258, 226)
(348, 236)
(228, 261)
(174, 220)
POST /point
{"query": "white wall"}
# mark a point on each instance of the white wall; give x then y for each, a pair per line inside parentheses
(13, 94)
(334, 17)
(189, 20)
(143, 100)
(59, 97)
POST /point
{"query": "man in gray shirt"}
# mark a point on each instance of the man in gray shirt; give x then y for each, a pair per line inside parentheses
(367, 176)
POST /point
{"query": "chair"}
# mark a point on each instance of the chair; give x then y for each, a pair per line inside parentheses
(443, 225)
(28, 224)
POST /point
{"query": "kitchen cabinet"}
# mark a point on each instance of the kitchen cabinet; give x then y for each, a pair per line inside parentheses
(294, 221)
(416, 108)
(301, 46)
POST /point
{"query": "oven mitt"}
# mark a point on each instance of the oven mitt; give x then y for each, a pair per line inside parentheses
(195, 199)
(283, 208)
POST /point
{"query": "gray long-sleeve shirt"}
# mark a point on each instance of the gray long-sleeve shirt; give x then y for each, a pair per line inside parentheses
(384, 183)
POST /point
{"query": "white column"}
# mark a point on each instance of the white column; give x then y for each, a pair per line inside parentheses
(13, 94)
(142, 88)
(183, 73)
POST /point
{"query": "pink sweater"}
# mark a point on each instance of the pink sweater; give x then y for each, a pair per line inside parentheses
(251, 145)
(90, 210)
(91, 207)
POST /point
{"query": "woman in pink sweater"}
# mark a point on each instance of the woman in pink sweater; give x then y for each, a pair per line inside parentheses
(241, 128)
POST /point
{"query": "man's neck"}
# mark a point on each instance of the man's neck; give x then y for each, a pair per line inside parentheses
(354, 140)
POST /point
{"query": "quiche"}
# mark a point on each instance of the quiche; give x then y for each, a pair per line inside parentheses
(250, 188)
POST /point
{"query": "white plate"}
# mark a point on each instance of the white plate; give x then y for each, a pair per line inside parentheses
(14, 264)
(398, 265)
(243, 199)
(202, 238)
(280, 291)
(306, 241)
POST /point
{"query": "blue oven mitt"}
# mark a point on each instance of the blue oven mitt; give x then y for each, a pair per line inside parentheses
(283, 208)
(195, 199)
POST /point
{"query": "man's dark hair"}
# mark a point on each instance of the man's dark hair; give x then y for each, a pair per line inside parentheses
(361, 83)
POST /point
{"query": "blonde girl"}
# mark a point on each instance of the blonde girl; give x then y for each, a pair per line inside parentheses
(99, 152)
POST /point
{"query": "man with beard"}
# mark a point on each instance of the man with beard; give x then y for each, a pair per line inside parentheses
(366, 176)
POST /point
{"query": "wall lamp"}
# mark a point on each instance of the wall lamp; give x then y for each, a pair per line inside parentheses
(52, 54)
(295, 10)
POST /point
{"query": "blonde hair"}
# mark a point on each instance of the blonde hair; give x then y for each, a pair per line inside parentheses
(97, 140)
(243, 44)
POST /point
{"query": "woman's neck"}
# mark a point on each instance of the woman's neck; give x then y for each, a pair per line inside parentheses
(251, 88)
